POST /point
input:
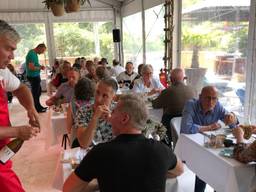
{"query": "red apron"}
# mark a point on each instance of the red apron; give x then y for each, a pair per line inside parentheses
(9, 182)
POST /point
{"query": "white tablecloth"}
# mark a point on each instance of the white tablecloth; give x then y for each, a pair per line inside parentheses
(155, 114)
(63, 170)
(223, 174)
(57, 128)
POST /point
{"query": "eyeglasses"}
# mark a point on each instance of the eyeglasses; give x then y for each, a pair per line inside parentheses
(209, 98)
(148, 73)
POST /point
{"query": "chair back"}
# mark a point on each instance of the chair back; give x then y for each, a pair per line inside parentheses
(175, 129)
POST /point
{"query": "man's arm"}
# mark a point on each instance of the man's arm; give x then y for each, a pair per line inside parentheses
(23, 132)
(74, 184)
(177, 171)
(160, 100)
(26, 100)
(187, 124)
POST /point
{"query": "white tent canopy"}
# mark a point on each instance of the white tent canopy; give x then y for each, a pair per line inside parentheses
(34, 11)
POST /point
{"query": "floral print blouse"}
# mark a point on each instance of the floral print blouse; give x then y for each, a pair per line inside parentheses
(103, 131)
(245, 153)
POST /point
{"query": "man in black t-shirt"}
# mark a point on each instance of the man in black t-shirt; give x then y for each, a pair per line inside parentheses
(130, 162)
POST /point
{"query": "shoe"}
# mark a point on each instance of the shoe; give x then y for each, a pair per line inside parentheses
(41, 110)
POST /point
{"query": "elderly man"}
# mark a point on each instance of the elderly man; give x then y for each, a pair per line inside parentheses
(130, 162)
(173, 99)
(9, 38)
(203, 115)
(128, 75)
(65, 90)
(33, 69)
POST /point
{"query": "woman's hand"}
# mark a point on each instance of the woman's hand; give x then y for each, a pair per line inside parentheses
(239, 134)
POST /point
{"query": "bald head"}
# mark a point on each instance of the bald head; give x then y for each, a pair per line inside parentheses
(177, 75)
(208, 98)
(209, 90)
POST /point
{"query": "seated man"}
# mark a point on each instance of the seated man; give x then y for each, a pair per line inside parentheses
(127, 76)
(66, 89)
(60, 77)
(116, 69)
(173, 99)
(130, 162)
(203, 115)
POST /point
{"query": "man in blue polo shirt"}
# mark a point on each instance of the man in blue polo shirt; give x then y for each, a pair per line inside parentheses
(33, 69)
(203, 114)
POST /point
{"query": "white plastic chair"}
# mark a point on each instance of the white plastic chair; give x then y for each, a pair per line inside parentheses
(175, 129)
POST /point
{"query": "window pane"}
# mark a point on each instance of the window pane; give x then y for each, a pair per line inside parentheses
(154, 21)
(132, 38)
(83, 39)
(214, 37)
(31, 36)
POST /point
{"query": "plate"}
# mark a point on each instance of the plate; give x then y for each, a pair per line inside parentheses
(227, 152)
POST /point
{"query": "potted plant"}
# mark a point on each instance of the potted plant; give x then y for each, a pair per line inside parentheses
(73, 5)
(57, 6)
(195, 39)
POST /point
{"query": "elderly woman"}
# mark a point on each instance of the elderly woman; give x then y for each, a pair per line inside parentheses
(90, 121)
(245, 153)
(83, 95)
(242, 152)
(147, 83)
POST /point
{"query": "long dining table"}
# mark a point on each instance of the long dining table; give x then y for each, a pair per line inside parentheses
(222, 173)
(57, 127)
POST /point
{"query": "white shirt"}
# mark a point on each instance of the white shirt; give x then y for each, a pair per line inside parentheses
(11, 82)
(115, 71)
(139, 86)
(125, 77)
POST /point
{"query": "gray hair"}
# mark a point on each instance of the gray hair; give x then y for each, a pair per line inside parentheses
(136, 108)
(145, 68)
(110, 82)
(9, 32)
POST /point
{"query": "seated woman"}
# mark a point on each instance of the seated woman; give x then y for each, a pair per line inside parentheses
(90, 121)
(147, 83)
(245, 153)
(83, 96)
(242, 152)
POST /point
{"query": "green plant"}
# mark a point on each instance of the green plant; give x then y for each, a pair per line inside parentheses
(198, 37)
(48, 2)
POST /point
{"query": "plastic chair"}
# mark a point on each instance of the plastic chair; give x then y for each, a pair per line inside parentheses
(175, 129)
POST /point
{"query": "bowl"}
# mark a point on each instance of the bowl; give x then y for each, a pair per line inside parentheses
(228, 143)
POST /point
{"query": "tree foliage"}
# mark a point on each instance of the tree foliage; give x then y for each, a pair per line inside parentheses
(71, 39)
